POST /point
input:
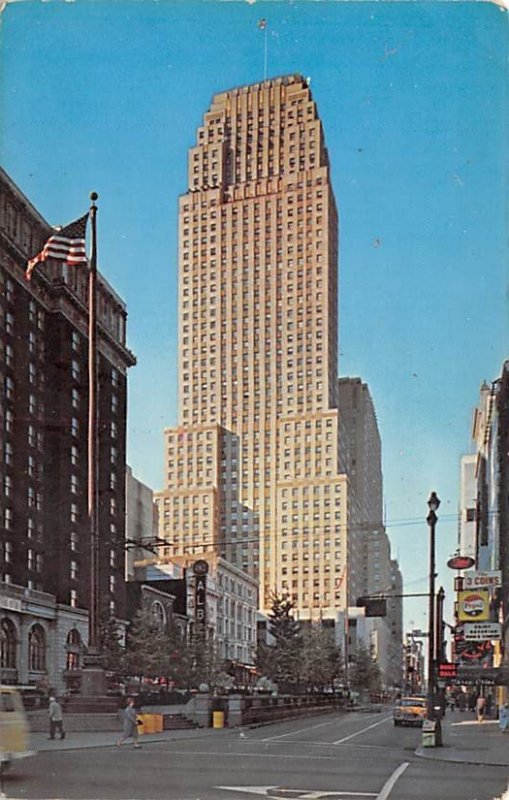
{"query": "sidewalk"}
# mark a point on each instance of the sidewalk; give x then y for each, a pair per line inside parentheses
(86, 739)
(467, 741)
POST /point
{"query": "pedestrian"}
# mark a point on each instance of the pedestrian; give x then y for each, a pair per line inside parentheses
(489, 705)
(56, 719)
(480, 707)
(130, 724)
(503, 717)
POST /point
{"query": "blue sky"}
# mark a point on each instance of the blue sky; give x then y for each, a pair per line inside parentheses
(107, 96)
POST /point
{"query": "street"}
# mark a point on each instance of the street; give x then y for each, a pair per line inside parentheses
(334, 757)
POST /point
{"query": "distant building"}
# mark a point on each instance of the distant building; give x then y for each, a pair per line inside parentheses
(468, 500)
(395, 625)
(141, 523)
(44, 530)
(375, 573)
(486, 436)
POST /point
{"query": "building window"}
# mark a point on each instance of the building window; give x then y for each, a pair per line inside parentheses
(73, 647)
(74, 598)
(8, 643)
(36, 649)
(9, 388)
(7, 552)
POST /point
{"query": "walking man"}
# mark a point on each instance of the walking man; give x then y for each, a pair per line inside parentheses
(130, 724)
(56, 719)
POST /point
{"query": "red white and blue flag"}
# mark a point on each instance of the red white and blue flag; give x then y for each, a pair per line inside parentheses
(66, 244)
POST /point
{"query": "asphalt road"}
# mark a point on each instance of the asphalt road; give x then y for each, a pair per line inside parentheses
(332, 757)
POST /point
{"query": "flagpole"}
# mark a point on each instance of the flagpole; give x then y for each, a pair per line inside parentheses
(92, 431)
(265, 56)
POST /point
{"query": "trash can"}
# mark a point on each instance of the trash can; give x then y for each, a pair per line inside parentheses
(218, 719)
(148, 723)
(431, 733)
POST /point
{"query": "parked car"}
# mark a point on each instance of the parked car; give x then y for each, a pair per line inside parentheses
(14, 731)
(409, 711)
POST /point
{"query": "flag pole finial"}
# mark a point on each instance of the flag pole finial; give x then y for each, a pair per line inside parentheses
(94, 196)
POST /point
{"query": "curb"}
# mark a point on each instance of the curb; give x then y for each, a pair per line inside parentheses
(423, 752)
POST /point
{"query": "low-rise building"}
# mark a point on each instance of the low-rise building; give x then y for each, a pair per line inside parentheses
(230, 601)
(41, 641)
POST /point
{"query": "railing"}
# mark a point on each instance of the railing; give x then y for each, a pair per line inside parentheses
(263, 710)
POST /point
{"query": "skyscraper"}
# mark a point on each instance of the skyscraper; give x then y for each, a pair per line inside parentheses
(254, 469)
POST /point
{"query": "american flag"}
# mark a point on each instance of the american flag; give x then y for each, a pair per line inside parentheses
(66, 244)
(262, 24)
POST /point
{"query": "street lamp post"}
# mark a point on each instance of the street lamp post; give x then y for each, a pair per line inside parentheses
(431, 519)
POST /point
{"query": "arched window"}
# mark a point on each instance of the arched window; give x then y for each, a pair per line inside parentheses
(7, 644)
(73, 648)
(36, 649)
(158, 614)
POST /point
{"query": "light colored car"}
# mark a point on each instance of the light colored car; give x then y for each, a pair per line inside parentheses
(14, 732)
(409, 711)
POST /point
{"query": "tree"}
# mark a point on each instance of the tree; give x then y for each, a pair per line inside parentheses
(205, 665)
(179, 656)
(111, 647)
(364, 671)
(321, 658)
(147, 647)
(280, 660)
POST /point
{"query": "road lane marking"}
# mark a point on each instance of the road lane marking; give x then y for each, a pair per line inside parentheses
(389, 784)
(301, 730)
(353, 735)
(244, 754)
(282, 793)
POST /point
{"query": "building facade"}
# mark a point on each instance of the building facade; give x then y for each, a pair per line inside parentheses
(484, 510)
(44, 531)
(41, 641)
(255, 468)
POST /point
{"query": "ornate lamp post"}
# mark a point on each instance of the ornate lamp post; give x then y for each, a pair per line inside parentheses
(431, 519)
